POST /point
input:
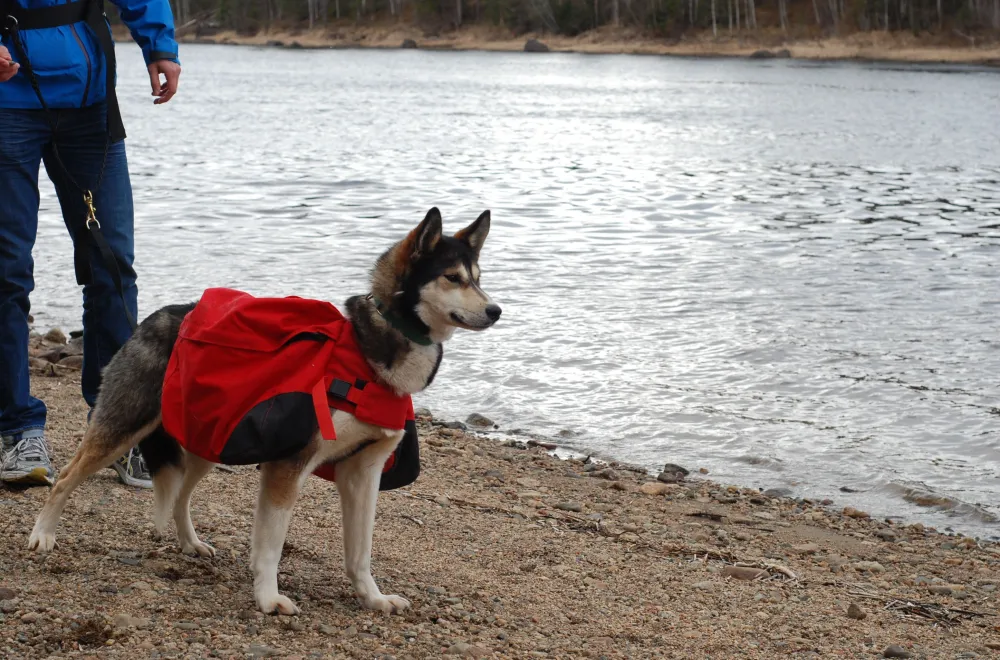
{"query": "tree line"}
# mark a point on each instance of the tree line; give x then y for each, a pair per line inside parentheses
(667, 18)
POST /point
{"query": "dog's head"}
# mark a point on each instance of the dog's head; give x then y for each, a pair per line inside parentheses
(434, 279)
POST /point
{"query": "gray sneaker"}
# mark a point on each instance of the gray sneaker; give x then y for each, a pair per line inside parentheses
(25, 459)
(132, 470)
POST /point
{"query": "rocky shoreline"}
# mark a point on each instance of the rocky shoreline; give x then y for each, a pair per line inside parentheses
(506, 551)
(763, 44)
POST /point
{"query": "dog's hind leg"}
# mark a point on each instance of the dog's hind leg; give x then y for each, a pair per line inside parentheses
(100, 447)
(358, 481)
(195, 469)
(280, 482)
(165, 460)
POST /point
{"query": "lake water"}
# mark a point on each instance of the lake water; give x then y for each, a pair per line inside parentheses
(784, 272)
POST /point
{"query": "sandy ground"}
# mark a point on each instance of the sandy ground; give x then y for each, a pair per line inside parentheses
(865, 46)
(505, 552)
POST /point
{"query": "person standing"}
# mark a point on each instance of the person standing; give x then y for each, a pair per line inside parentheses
(58, 106)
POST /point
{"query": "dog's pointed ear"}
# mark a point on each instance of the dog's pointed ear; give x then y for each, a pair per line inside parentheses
(425, 237)
(475, 234)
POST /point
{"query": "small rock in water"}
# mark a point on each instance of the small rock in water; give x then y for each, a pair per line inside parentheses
(854, 611)
(455, 426)
(673, 467)
(895, 651)
(475, 419)
(56, 336)
(423, 412)
(777, 493)
(575, 507)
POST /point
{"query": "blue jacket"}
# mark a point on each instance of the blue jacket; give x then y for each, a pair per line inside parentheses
(68, 62)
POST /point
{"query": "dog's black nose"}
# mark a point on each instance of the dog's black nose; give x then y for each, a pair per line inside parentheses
(493, 311)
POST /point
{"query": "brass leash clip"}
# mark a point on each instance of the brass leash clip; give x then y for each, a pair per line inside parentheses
(92, 222)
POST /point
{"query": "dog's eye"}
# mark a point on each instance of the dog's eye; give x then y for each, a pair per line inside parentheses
(453, 278)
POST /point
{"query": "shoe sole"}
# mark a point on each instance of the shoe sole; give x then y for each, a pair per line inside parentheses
(38, 476)
(128, 479)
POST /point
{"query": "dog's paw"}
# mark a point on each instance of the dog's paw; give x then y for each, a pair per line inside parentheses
(198, 549)
(387, 604)
(41, 542)
(278, 605)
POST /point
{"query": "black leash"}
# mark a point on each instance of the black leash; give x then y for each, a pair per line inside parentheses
(81, 260)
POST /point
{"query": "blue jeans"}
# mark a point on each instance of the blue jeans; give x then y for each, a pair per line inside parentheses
(26, 139)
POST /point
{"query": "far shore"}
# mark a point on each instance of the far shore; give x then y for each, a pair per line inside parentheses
(866, 46)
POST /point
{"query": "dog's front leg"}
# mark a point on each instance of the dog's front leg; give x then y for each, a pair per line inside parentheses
(358, 481)
(279, 488)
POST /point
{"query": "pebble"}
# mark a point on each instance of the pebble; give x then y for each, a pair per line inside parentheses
(743, 536)
(628, 537)
(777, 493)
(656, 488)
(851, 512)
(886, 535)
(870, 566)
(437, 591)
(30, 617)
(56, 336)
(442, 500)
(763, 515)
(806, 549)
(744, 572)
(327, 630)
(7, 593)
(260, 651)
(670, 477)
(895, 651)
(575, 507)
(704, 586)
(940, 590)
(854, 611)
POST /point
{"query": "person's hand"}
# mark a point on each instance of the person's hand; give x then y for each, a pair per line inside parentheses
(164, 90)
(8, 67)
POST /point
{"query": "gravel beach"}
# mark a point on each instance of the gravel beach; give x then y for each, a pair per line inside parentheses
(505, 551)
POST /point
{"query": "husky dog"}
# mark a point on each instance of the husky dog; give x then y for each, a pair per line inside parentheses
(427, 283)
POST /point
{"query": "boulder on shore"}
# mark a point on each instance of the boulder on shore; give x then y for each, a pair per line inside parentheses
(535, 46)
